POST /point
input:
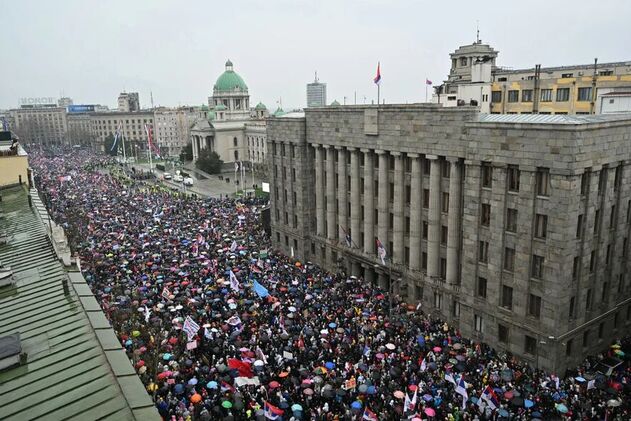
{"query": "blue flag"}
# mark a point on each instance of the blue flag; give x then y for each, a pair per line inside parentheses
(260, 290)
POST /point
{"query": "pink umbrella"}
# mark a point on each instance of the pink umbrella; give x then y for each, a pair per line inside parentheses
(430, 412)
(399, 394)
(379, 356)
(437, 349)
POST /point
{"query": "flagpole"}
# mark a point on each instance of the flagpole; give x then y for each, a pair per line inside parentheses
(124, 153)
(425, 89)
(378, 93)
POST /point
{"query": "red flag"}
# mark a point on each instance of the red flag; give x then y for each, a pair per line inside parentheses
(244, 369)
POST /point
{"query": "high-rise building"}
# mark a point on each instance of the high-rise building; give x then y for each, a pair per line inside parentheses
(475, 79)
(128, 102)
(316, 93)
(64, 101)
(514, 228)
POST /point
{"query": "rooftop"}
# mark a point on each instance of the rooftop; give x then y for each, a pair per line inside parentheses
(552, 119)
(590, 67)
(74, 364)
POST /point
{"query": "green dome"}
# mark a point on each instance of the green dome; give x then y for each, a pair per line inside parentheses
(230, 81)
(220, 107)
(279, 112)
(211, 115)
(204, 107)
(260, 106)
(335, 104)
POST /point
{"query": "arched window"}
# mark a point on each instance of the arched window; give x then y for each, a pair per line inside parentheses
(235, 142)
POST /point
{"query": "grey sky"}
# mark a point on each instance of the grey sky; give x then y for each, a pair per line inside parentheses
(92, 50)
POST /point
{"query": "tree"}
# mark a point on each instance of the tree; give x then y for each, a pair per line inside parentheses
(108, 143)
(209, 162)
(187, 153)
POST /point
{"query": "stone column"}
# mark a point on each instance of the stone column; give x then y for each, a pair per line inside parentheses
(342, 195)
(194, 143)
(369, 276)
(415, 214)
(397, 208)
(453, 235)
(383, 199)
(369, 202)
(433, 240)
(331, 225)
(355, 195)
(319, 190)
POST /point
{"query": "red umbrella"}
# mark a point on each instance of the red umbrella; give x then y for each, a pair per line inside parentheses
(274, 384)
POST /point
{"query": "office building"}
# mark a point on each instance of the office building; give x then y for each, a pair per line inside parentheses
(316, 93)
(475, 79)
(40, 123)
(513, 228)
(228, 125)
(173, 128)
(132, 126)
(128, 102)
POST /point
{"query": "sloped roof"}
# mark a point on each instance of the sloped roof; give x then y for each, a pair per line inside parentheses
(75, 365)
(552, 119)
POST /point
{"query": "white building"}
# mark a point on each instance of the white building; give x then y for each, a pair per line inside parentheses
(316, 93)
(172, 128)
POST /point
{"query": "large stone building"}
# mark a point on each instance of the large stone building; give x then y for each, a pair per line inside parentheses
(475, 79)
(173, 128)
(80, 129)
(229, 126)
(41, 123)
(513, 228)
(132, 127)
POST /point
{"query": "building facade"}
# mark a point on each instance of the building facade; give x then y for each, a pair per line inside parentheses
(228, 124)
(513, 228)
(132, 128)
(316, 93)
(128, 102)
(173, 128)
(45, 124)
(475, 79)
(80, 129)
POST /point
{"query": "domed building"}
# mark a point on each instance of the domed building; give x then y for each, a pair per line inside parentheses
(230, 127)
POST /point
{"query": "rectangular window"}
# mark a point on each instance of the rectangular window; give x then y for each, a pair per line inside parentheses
(608, 254)
(507, 297)
(592, 261)
(424, 260)
(586, 338)
(579, 227)
(487, 175)
(572, 309)
(526, 95)
(456, 308)
(408, 194)
(496, 96)
(576, 267)
(443, 267)
(438, 299)
(426, 198)
(589, 299)
(511, 220)
(534, 306)
(445, 203)
(513, 96)
(509, 259)
(541, 225)
(563, 94)
(530, 345)
(443, 235)
(543, 181)
(502, 333)
(601, 329)
(478, 323)
(513, 178)
(568, 348)
(446, 167)
(602, 180)
(612, 219)
(584, 183)
(425, 230)
(537, 266)
(483, 253)
(485, 215)
(596, 221)
(546, 95)
(585, 94)
(481, 287)
(605, 292)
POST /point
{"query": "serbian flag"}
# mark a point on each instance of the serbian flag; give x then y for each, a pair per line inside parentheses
(226, 387)
(381, 251)
(378, 77)
(272, 412)
(369, 415)
(428, 82)
(244, 369)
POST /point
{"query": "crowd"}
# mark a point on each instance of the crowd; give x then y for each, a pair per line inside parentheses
(219, 326)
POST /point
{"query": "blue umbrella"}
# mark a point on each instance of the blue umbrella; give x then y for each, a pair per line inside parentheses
(166, 356)
(371, 390)
(128, 342)
(192, 381)
(528, 403)
(421, 340)
(356, 405)
(296, 407)
(536, 414)
(580, 379)
(179, 388)
(332, 325)
(330, 365)
(212, 385)
(561, 408)
(503, 413)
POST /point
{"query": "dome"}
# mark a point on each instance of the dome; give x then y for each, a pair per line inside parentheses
(204, 107)
(335, 104)
(260, 106)
(211, 115)
(230, 81)
(279, 112)
(221, 107)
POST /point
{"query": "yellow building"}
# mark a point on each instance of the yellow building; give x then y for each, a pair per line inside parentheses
(13, 163)
(560, 90)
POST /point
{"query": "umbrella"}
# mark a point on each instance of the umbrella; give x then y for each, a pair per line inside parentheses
(399, 394)
(613, 403)
(296, 407)
(579, 379)
(330, 365)
(274, 384)
(226, 404)
(192, 381)
(371, 390)
(179, 388)
(503, 413)
(308, 391)
(427, 397)
(437, 349)
(356, 405)
(517, 401)
(561, 408)
(390, 346)
(363, 388)
(528, 403)
(508, 395)
(430, 412)
(212, 384)
(196, 398)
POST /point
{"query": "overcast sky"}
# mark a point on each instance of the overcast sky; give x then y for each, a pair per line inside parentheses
(92, 50)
